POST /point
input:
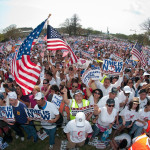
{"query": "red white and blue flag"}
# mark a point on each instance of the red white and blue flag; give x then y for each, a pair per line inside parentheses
(56, 42)
(25, 72)
(138, 53)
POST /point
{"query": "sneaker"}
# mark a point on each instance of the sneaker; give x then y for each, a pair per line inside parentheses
(22, 139)
(17, 137)
(50, 147)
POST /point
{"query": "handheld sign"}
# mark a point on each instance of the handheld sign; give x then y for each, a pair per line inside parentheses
(57, 100)
(112, 67)
(7, 112)
(86, 110)
(38, 114)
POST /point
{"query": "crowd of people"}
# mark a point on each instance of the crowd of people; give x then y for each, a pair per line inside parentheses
(121, 102)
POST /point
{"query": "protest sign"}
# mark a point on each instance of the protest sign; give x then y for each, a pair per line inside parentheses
(42, 136)
(86, 110)
(57, 100)
(91, 74)
(131, 62)
(38, 114)
(3, 145)
(7, 112)
(112, 67)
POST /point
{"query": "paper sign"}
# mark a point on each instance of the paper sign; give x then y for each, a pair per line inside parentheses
(57, 100)
(7, 112)
(42, 136)
(112, 67)
(86, 110)
(38, 114)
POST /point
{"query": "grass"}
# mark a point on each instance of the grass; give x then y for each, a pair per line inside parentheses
(17, 144)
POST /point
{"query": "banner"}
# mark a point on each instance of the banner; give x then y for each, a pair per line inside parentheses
(57, 100)
(131, 62)
(86, 110)
(91, 74)
(38, 114)
(7, 112)
(112, 67)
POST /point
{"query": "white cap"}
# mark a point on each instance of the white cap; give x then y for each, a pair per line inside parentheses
(143, 83)
(39, 96)
(146, 74)
(80, 119)
(127, 89)
(35, 57)
(12, 95)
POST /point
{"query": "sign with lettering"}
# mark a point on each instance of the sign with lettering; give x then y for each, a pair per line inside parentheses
(112, 67)
(7, 112)
(86, 110)
(91, 74)
(57, 100)
(38, 114)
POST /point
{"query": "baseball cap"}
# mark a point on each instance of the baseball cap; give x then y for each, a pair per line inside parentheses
(39, 96)
(80, 119)
(110, 101)
(114, 90)
(1, 96)
(135, 100)
(12, 95)
(78, 91)
(9, 80)
(142, 91)
(127, 89)
(146, 74)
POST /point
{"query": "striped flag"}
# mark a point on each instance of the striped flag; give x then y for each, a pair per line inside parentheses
(117, 57)
(55, 42)
(86, 54)
(138, 53)
(25, 72)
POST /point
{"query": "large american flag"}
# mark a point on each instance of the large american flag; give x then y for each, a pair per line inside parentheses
(56, 42)
(138, 53)
(25, 72)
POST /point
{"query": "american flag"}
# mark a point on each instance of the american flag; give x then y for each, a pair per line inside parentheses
(25, 72)
(86, 54)
(138, 53)
(55, 42)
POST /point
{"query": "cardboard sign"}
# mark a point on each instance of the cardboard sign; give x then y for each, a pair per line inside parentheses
(91, 74)
(86, 110)
(112, 67)
(57, 100)
(38, 114)
(7, 112)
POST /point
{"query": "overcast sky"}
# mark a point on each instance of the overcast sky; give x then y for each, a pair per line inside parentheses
(120, 16)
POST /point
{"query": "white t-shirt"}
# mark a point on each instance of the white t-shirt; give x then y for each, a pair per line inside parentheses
(68, 78)
(71, 94)
(122, 98)
(142, 102)
(53, 111)
(141, 116)
(103, 100)
(77, 134)
(122, 137)
(129, 115)
(104, 119)
(106, 91)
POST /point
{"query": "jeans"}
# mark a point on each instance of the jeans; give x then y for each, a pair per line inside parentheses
(51, 133)
(127, 122)
(137, 130)
(30, 130)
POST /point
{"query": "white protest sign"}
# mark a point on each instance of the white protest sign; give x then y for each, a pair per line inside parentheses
(112, 67)
(38, 114)
(91, 74)
(7, 112)
(86, 110)
(57, 100)
(42, 136)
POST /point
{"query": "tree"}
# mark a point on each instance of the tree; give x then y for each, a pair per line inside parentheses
(146, 26)
(11, 32)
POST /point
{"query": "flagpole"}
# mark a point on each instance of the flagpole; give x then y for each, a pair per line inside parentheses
(48, 24)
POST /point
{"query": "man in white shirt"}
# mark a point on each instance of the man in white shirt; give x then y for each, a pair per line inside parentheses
(142, 98)
(77, 130)
(125, 97)
(107, 86)
(49, 127)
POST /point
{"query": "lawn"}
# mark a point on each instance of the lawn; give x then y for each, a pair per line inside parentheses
(17, 144)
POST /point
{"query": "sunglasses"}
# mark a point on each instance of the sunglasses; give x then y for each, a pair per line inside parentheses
(75, 86)
(45, 83)
(111, 105)
(97, 93)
